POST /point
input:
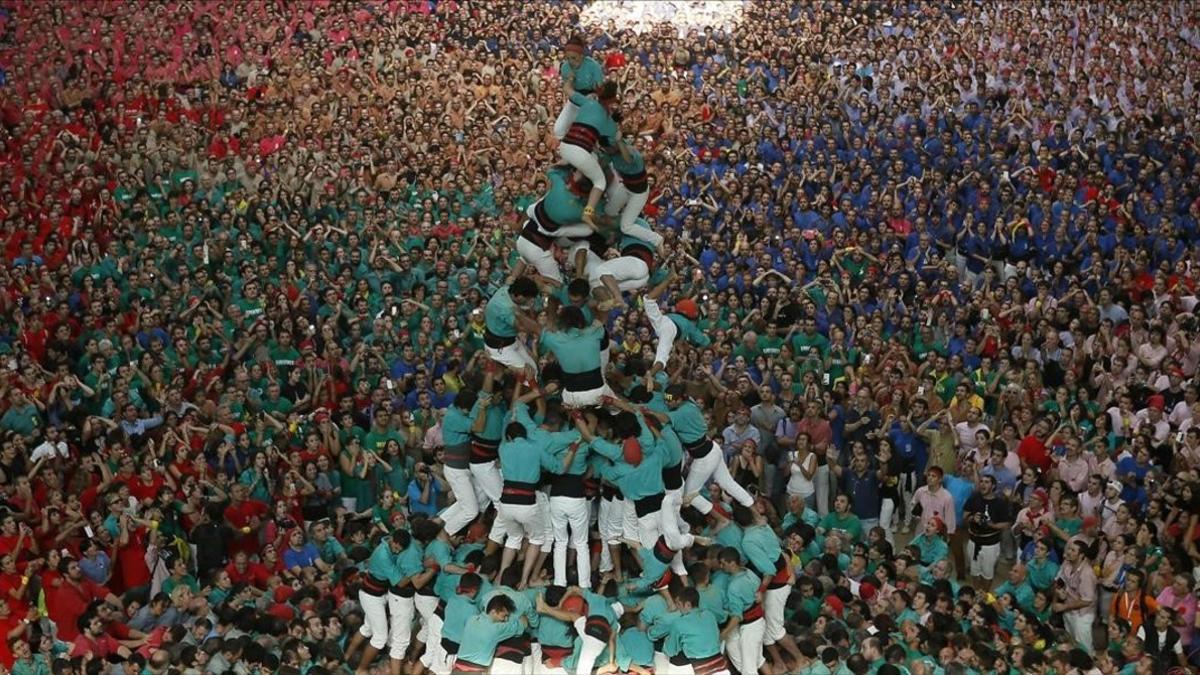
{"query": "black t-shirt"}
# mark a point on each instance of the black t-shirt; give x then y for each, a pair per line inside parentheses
(994, 510)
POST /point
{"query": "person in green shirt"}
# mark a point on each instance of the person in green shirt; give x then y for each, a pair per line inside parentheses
(22, 416)
(841, 519)
(808, 340)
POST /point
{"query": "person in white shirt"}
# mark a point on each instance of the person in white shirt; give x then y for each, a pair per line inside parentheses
(968, 441)
(51, 447)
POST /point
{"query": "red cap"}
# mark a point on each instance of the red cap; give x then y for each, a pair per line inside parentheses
(1090, 521)
(283, 593)
(307, 344)
(1157, 402)
(322, 415)
(688, 308)
(575, 604)
(632, 451)
(835, 605)
(866, 591)
(1042, 495)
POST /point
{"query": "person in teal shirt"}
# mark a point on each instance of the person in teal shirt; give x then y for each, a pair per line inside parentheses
(841, 519)
(504, 315)
(576, 346)
(694, 631)
(522, 460)
(593, 126)
(743, 632)
(456, 438)
(458, 608)
(931, 544)
(1017, 584)
(496, 624)
(629, 195)
(380, 573)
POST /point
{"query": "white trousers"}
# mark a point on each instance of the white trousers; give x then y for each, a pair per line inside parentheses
(585, 162)
(539, 259)
(773, 604)
(467, 496)
(435, 657)
(426, 607)
(585, 399)
(629, 272)
(1080, 628)
(709, 468)
(629, 521)
(744, 647)
(401, 611)
(620, 201)
(675, 530)
(515, 355)
(610, 521)
(570, 516)
(375, 619)
(821, 483)
(522, 521)
(664, 328)
(543, 506)
(489, 484)
(566, 117)
(590, 651)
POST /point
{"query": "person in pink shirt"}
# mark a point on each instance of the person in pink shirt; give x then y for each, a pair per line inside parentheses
(932, 500)
(1179, 596)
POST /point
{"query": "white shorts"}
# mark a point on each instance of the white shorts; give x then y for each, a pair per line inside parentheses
(585, 399)
(539, 259)
(629, 272)
(515, 356)
(982, 559)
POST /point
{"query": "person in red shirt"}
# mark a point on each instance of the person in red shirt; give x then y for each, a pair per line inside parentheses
(1033, 451)
(131, 568)
(243, 571)
(245, 516)
(96, 641)
(147, 484)
(72, 597)
(12, 625)
(16, 538)
(14, 583)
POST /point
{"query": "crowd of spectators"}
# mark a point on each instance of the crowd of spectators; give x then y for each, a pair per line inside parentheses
(943, 252)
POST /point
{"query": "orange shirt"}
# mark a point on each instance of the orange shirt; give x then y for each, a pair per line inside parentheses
(1125, 605)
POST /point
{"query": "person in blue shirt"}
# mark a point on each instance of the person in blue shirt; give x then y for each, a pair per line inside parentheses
(744, 630)
(423, 491)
